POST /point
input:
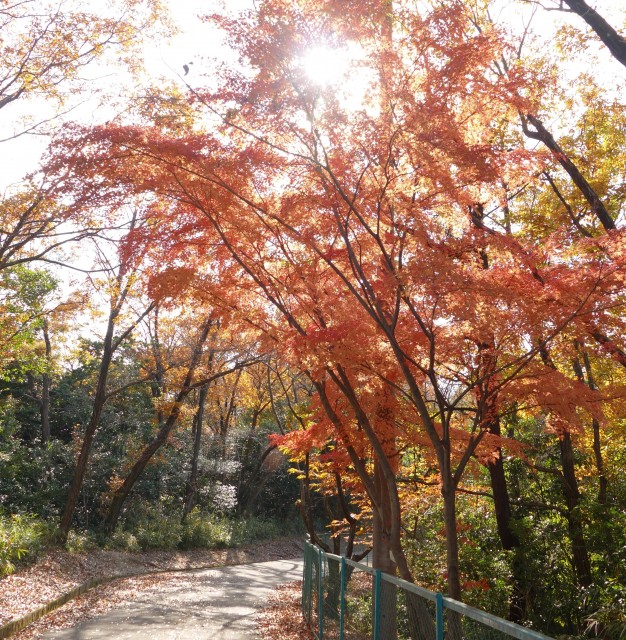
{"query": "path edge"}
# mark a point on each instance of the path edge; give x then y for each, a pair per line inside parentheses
(14, 626)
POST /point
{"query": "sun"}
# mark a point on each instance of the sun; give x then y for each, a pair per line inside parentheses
(325, 66)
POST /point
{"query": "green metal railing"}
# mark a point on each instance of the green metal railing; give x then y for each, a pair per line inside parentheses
(347, 600)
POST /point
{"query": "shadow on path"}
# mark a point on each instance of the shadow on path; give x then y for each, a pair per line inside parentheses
(215, 603)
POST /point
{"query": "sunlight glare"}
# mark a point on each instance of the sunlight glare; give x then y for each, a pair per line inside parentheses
(325, 66)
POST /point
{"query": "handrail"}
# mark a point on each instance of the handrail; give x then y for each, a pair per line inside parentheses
(442, 602)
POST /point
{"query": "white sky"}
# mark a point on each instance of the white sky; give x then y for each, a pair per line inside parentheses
(197, 42)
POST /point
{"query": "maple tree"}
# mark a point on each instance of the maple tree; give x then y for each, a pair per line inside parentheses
(428, 263)
(372, 222)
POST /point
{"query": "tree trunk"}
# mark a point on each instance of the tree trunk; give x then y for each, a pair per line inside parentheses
(597, 444)
(120, 495)
(452, 547)
(580, 556)
(382, 559)
(574, 173)
(192, 482)
(508, 538)
(45, 387)
(96, 412)
(615, 43)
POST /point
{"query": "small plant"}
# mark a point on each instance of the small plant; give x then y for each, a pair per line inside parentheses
(122, 540)
(22, 538)
(81, 541)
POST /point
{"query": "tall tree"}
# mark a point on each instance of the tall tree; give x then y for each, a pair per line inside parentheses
(350, 237)
(120, 289)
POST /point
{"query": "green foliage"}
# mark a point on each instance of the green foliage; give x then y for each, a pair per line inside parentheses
(81, 541)
(122, 540)
(202, 531)
(23, 294)
(22, 539)
(149, 526)
(154, 526)
(33, 478)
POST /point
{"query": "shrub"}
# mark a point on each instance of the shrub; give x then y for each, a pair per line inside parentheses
(22, 538)
(207, 531)
(251, 529)
(122, 540)
(81, 541)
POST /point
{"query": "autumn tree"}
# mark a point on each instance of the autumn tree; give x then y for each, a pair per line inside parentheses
(47, 52)
(358, 240)
(196, 370)
(119, 289)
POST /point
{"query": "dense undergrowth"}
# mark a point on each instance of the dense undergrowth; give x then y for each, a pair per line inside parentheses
(24, 538)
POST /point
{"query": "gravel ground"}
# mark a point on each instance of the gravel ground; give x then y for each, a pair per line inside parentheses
(59, 571)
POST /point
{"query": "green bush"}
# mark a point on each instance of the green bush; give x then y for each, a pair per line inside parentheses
(159, 532)
(81, 541)
(22, 538)
(217, 531)
(122, 540)
(206, 531)
(252, 529)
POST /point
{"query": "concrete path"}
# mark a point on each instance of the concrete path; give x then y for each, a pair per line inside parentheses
(220, 605)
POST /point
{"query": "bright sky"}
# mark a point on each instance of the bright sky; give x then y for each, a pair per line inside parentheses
(199, 43)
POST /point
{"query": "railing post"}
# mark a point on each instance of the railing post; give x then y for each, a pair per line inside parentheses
(304, 569)
(309, 582)
(377, 579)
(320, 594)
(439, 615)
(342, 597)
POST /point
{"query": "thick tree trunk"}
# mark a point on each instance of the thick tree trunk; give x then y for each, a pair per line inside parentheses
(191, 487)
(453, 620)
(383, 559)
(452, 547)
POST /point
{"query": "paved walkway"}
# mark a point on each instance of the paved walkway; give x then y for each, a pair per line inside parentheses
(219, 606)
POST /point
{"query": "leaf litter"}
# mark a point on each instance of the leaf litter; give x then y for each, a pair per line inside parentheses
(59, 571)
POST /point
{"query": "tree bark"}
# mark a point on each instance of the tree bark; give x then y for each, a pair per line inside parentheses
(615, 43)
(580, 555)
(588, 192)
(45, 387)
(191, 487)
(96, 412)
(595, 425)
(383, 559)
